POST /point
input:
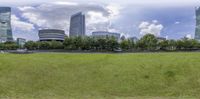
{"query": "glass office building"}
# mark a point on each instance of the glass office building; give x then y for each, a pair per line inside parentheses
(5, 24)
(21, 42)
(77, 25)
(197, 30)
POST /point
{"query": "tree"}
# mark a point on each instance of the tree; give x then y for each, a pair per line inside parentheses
(87, 43)
(148, 42)
(1, 46)
(112, 44)
(94, 43)
(172, 45)
(68, 43)
(31, 45)
(9, 46)
(180, 44)
(126, 44)
(189, 44)
(77, 42)
(195, 44)
(163, 45)
(44, 45)
(56, 45)
(101, 44)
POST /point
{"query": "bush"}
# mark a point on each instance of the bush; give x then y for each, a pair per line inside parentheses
(8, 46)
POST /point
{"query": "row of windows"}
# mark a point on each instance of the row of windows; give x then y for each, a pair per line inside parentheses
(52, 37)
(50, 34)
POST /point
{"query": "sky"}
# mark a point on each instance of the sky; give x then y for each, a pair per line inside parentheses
(173, 19)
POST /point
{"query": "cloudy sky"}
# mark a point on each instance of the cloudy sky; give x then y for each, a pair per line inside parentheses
(173, 19)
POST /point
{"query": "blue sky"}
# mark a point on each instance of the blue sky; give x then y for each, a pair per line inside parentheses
(173, 19)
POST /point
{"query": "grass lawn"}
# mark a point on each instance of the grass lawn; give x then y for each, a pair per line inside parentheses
(100, 76)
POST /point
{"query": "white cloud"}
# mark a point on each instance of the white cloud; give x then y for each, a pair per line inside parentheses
(150, 28)
(114, 10)
(97, 17)
(113, 30)
(96, 21)
(189, 36)
(177, 22)
(100, 21)
(35, 19)
(155, 21)
(57, 16)
(65, 3)
(26, 8)
(47, 16)
(17, 24)
(144, 25)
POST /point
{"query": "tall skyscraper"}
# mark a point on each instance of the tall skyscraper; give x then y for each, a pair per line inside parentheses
(5, 24)
(77, 25)
(197, 30)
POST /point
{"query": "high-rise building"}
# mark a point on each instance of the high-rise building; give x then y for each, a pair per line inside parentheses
(197, 30)
(5, 24)
(77, 25)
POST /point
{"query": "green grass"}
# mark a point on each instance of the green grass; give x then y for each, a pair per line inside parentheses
(100, 76)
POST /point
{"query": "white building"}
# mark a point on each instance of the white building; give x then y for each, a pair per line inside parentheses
(104, 34)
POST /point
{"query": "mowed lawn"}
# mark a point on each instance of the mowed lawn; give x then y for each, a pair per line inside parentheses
(100, 76)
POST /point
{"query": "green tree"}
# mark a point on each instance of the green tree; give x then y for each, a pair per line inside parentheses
(87, 43)
(31, 45)
(56, 45)
(68, 43)
(77, 42)
(112, 44)
(127, 44)
(195, 44)
(44, 45)
(9, 46)
(148, 42)
(172, 45)
(101, 43)
(94, 43)
(163, 45)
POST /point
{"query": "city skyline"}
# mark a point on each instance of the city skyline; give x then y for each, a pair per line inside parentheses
(131, 19)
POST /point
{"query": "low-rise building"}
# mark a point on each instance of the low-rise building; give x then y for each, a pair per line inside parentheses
(51, 35)
(104, 34)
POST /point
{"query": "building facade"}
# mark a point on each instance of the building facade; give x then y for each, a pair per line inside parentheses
(21, 42)
(197, 30)
(5, 24)
(104, 34)
(51, 35)
(77, 25)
